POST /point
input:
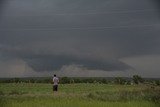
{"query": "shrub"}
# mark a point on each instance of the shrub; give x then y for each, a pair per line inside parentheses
(65, 80)
(137, 79)
(157, 82)
(119, 80)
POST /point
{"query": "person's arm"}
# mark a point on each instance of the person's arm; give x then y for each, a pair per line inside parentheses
(58, 80)
(53, 80)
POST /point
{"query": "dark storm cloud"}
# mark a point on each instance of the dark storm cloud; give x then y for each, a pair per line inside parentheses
(48, 59)
(157, 3)
(48, 34)
(2, 5)
(49, 63)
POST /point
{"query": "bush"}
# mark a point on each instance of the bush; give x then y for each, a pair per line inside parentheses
(137, 79)
(16, 80)
(65, 80)
(157, 82)
(119, 80)
(76, 80)
(104, 81)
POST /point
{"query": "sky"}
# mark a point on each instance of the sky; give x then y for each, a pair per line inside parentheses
(84, 38)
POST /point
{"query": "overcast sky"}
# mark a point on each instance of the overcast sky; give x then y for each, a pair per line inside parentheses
(79, 38)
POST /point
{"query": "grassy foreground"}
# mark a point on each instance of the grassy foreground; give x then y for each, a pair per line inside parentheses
(79, 95)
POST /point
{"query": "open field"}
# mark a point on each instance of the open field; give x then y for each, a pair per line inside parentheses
(79, 95)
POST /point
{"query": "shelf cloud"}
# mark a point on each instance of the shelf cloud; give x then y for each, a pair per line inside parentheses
(100, 35)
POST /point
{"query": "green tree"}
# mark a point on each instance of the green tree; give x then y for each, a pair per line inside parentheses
(104, 81)
(119, 80)
(16, 80)
(65, 80)
(137, 79)
(77, 80)
(157, 82)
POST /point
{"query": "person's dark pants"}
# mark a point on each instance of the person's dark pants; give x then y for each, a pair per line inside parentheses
(55, 87)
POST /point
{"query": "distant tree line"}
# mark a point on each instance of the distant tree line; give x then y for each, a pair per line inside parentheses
(136, 79)
(21, 80)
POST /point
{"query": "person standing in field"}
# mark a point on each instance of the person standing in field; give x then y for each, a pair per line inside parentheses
(55, 83)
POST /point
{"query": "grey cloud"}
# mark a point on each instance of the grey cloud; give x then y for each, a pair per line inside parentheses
(33, 15)
(52, 54)
(148, 64)
(109, 44)
(157, 3)
(50, 63)
(2, 6)
(48, 34)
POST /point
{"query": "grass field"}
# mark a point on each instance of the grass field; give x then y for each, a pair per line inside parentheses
(79, 95)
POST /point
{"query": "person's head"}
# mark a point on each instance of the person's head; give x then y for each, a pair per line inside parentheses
(54, 75)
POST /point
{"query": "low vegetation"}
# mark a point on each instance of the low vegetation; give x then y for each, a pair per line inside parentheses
(79, 95)
(136, 79)
(80, 92)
